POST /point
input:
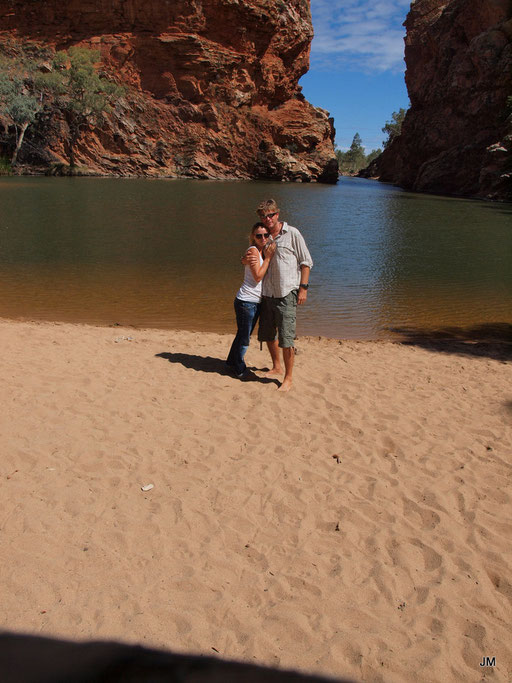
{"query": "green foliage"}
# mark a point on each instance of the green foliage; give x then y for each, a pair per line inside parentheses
(65, 81)
(18, 103)
(355, 155)
(81, 93)
(5, 166)
(393, 128)
(373, 155)
(355, 159)
(23, 109)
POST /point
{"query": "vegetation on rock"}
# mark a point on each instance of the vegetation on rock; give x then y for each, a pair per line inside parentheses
(393, 128)
(355, 158)
(67, 85)
(20, 99)
(81, 93)
(207, 83)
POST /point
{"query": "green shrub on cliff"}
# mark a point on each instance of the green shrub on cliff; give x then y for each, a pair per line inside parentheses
(373, 155)
(36, 81)
(19, 104)
(5, 166)
(393, 128)
(81, 93)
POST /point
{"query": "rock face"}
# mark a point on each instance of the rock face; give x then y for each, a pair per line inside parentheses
(456, 138)
(211, 85)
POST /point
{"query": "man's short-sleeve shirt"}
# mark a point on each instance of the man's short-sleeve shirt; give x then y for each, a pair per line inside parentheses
(283, 274)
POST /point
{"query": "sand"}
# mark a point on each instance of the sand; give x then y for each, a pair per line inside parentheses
(358, 526)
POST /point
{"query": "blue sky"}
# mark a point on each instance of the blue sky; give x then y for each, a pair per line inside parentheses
(357, 66)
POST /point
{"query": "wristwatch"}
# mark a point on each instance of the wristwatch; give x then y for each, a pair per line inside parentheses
(303, 286)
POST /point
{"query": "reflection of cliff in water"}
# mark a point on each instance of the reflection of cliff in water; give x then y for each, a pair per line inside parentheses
(167, 254)
(444, 262)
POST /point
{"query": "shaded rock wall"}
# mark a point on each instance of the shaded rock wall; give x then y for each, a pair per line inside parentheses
(212, 85)
(456, 138)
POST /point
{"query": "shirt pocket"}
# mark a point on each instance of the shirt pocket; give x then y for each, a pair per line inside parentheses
(284, 252)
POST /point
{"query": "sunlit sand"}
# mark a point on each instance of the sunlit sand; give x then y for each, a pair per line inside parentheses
(358, 525)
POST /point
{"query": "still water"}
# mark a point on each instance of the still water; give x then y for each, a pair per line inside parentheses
(166, 253)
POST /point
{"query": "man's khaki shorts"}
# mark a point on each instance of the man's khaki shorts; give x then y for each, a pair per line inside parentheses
(278, 319)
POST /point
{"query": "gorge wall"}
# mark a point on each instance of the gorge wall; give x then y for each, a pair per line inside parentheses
(457, 135)
(211, 85)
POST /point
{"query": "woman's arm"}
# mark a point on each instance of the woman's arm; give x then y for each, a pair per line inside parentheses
(258, 272)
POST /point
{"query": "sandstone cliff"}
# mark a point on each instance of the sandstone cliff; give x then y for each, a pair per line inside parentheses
(456, 138)
(212, 85)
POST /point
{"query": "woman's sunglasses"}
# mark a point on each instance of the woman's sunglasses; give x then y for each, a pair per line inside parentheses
(259, 235)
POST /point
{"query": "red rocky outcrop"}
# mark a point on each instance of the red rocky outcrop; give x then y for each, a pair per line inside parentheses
(212, 85)
(456, 137)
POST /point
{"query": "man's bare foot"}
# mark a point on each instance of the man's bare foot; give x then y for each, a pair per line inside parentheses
(286, 385)
(274, 371)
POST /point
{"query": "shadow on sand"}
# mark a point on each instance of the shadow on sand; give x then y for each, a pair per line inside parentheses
(32, 659)
(490, 340)
(210, 364)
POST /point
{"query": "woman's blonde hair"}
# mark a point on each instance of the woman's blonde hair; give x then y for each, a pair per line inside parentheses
(252, 241)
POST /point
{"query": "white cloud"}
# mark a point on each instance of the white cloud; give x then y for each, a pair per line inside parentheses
(362, 35)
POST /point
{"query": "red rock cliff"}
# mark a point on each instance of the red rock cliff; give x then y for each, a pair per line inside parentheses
(456, 138)
(212, 85)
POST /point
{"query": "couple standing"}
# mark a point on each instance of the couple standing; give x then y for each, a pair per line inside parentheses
(277, 266)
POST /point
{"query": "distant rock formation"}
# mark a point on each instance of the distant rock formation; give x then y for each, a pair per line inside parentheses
(212, 85)
(455, 138)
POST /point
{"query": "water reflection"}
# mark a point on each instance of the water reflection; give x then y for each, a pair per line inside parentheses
(166, 254)
(445, 261)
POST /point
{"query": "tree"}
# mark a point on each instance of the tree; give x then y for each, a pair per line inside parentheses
(354, 157)
(372, 155)
(393, 128)
(38, 80)
(353, 160)
(18, 103)
(81, 93)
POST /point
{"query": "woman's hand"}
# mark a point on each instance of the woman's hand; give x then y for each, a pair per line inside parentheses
(270, 250)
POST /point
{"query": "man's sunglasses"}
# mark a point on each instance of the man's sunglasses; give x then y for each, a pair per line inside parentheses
(259, 235)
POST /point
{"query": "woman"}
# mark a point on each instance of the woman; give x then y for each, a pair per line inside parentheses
(247, 301)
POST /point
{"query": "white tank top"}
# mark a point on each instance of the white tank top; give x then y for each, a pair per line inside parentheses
(250, 289)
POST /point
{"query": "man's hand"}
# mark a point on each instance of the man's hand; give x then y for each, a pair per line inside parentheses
(302, 296)
(304, 277)
(250, 258)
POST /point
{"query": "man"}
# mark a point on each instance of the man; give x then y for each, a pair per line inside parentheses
(284, 286)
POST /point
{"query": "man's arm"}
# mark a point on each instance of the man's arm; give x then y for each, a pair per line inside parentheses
(301, 250)
(304, 279)
(305, 264)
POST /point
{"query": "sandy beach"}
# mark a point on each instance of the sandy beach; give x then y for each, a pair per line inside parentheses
(359, 526)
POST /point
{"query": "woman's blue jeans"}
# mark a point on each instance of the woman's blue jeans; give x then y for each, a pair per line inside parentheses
(247, 314)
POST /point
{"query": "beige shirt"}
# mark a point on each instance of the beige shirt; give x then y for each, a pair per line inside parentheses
(283, 274)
